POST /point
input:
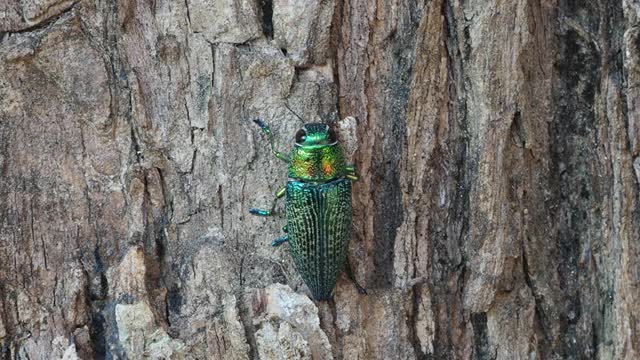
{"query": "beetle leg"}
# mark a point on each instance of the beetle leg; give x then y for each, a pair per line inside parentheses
(351, 173)
(360, 289)
(265, 129)
(280, 240)
(280, 193)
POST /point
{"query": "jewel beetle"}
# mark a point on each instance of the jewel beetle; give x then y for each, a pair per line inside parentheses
(317, 207)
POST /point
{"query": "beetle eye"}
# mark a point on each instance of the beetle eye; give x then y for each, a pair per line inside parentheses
(301, 135)
(332, 136)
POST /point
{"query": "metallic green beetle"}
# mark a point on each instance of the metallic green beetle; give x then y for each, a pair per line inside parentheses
(318, 207)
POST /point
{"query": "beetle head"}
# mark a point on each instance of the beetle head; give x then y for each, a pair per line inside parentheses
(315, 135)
(317, 156)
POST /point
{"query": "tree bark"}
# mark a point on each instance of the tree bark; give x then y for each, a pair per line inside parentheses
(497, 215)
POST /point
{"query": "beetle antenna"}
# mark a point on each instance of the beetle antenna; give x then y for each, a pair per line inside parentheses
(265, 129)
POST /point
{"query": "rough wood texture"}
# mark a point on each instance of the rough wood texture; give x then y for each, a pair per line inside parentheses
(497, 215)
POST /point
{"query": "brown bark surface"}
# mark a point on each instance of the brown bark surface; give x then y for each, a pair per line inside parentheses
(497, 215)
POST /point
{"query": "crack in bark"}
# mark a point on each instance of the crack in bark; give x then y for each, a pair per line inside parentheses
(267, 17)
(186, 5)
(538, 299)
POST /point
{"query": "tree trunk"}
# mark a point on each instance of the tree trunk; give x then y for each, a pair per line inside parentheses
(497, 215)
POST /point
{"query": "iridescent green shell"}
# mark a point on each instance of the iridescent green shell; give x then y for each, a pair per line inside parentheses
(316, 163)
(319, 227)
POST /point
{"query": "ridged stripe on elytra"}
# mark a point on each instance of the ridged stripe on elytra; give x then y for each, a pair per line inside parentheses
(322, 244)
(319, 225)
(298, 223)
(316, 235)
(343, 220)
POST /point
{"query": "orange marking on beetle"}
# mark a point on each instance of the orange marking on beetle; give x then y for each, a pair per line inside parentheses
(327, 167)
